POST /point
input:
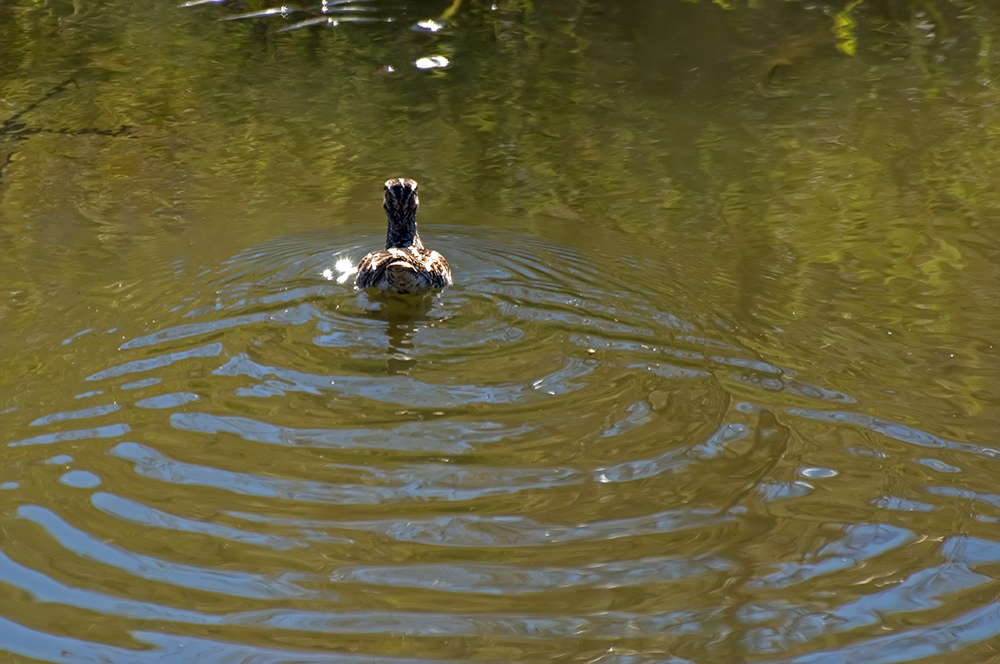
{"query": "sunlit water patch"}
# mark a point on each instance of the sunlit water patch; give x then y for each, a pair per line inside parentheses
(542, 463)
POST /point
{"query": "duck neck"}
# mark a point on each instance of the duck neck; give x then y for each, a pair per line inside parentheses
(402, 232)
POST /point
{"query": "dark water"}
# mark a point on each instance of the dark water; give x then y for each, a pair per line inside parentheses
(717, 380)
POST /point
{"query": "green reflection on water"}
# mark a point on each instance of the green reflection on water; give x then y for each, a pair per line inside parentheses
(728, 171)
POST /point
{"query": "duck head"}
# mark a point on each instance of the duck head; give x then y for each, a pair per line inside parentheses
(400, 205)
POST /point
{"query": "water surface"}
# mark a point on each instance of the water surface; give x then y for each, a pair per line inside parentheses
(717, 380)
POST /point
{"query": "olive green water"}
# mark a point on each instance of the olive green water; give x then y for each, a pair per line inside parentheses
(718, 380)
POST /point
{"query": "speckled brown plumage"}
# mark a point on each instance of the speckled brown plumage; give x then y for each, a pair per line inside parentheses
(404, 267)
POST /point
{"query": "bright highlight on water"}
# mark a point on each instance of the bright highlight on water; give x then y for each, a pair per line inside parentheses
(344, 267)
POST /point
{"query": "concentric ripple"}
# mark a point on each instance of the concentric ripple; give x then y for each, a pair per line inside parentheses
(541, 464)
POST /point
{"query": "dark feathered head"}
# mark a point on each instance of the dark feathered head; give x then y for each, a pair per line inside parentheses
(400, 205)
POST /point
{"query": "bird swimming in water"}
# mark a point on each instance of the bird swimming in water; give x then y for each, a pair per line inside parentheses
(404, 267)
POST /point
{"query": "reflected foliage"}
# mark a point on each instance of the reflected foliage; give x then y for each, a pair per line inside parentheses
(733, 134)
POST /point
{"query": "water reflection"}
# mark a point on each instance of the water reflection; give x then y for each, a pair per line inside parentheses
(531, 438)
(716, 381)
(402, 317)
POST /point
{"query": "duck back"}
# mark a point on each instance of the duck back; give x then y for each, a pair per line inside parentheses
(404, 271)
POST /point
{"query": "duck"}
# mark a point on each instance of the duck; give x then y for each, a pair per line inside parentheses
(405, 266)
